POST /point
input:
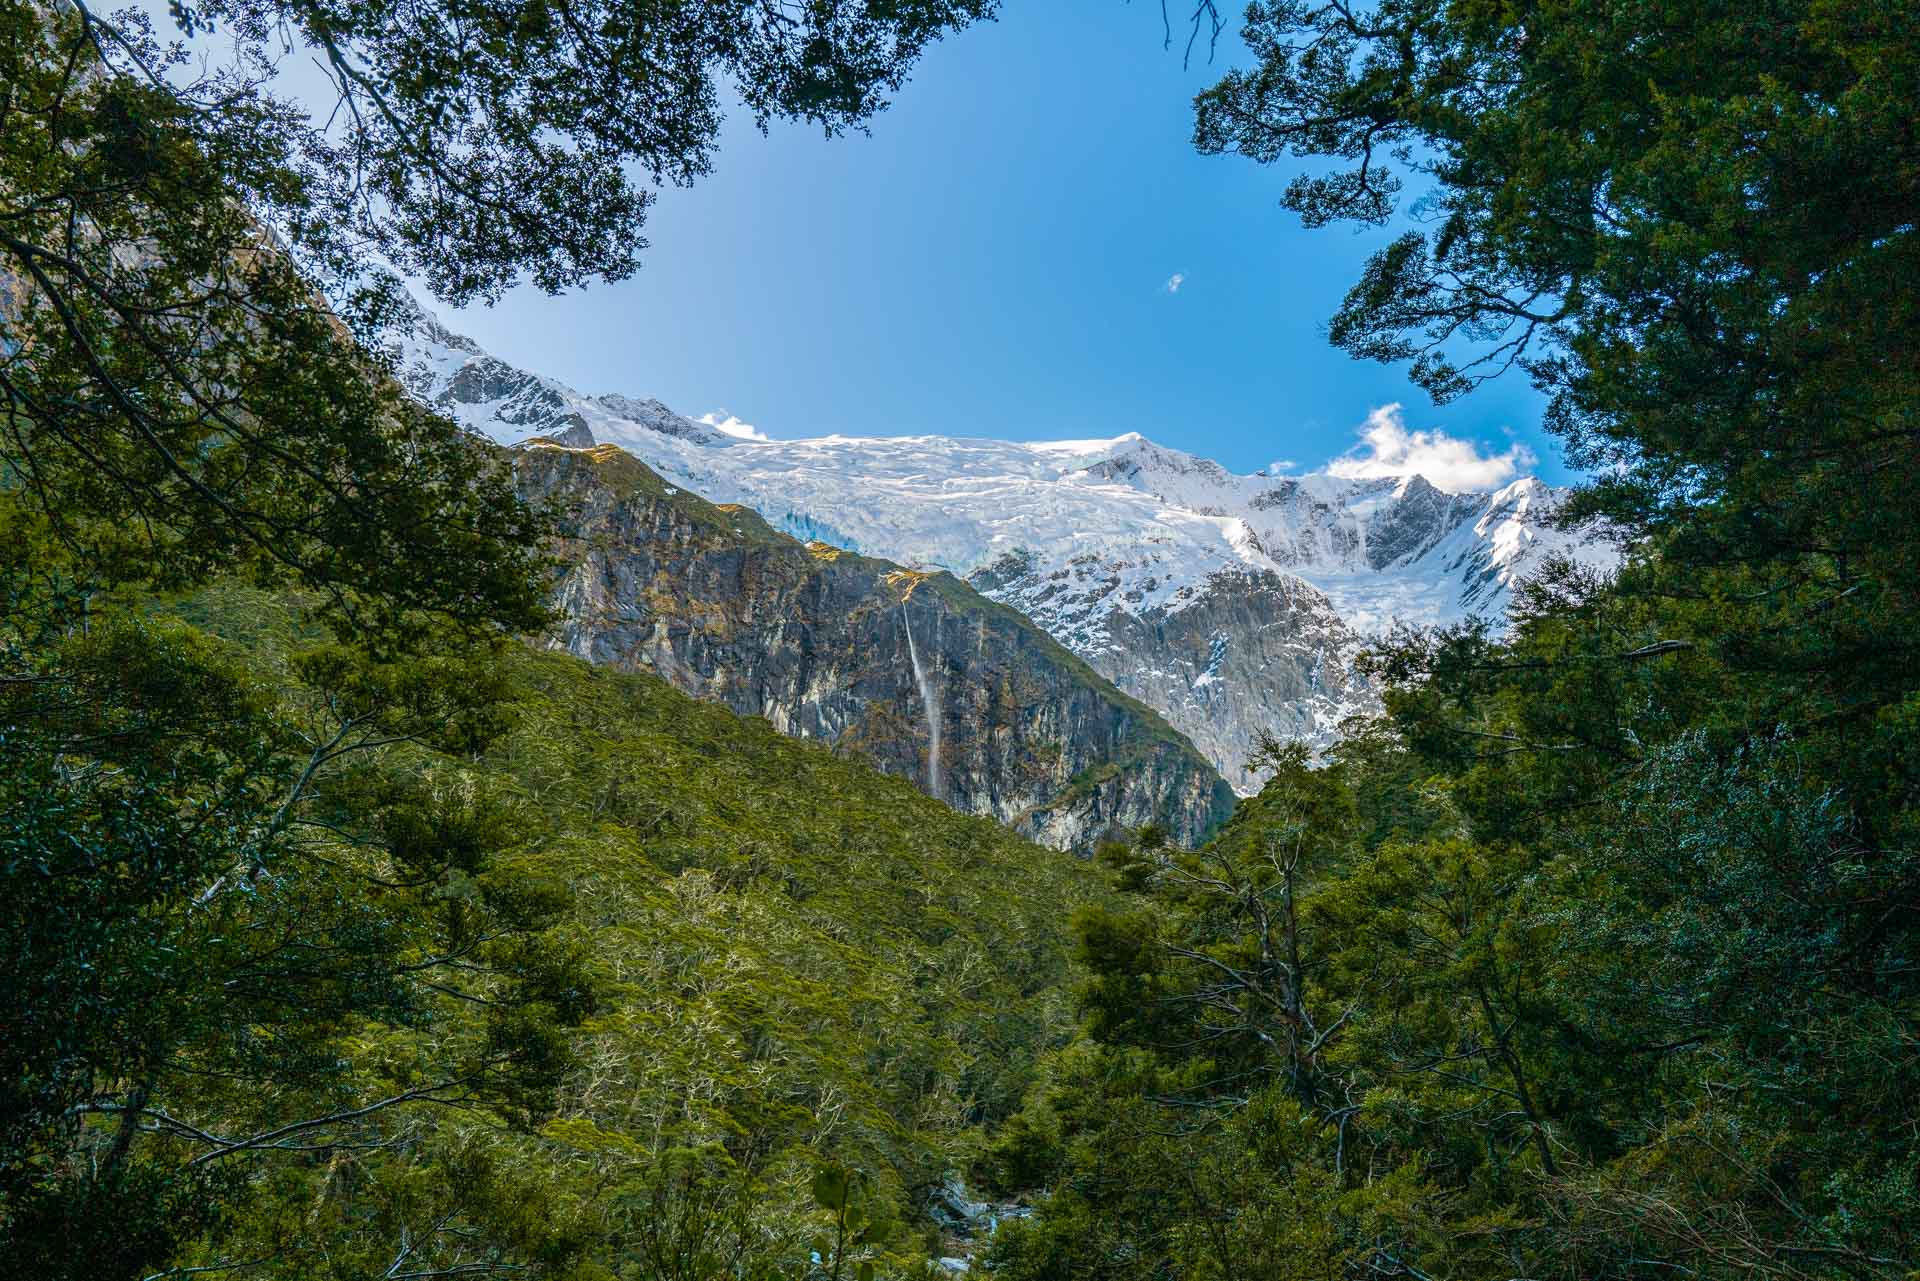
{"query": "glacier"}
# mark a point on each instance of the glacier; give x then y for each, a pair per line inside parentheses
(1231, 603)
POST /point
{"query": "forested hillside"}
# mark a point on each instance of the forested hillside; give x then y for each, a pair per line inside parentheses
(561, 969)
(645, 967)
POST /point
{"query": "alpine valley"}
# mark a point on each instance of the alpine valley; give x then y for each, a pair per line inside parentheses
(1231, 605)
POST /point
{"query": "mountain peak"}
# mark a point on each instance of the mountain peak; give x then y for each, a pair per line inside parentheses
(1524, 490)
(1230, 603)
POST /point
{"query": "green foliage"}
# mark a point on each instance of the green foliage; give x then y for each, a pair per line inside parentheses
(493, 959)
(1670, 1024)
(175, 399)
(514, 142)
(1598, 960)
(469, 152)
(228, 947)
(618, 972)
(1693, 225)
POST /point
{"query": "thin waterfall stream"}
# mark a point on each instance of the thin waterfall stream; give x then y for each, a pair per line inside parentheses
(928, 701)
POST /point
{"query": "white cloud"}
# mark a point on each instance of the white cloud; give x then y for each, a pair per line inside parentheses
(722, 421)
(1176, 280)
(1389, 448)
(1279, 466)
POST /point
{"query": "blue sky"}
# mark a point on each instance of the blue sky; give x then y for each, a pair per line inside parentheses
(994, 260)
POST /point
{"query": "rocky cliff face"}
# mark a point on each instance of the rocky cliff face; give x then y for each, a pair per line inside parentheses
(1249, 652)
(916, 672)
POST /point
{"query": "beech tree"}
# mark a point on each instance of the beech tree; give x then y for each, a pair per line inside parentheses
(1624, 937)
(178, 397)
(257, 910)
(1692, 225)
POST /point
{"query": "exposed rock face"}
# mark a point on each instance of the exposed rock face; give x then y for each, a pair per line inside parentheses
(1249, 652)
(816, 639)
(1415, 521)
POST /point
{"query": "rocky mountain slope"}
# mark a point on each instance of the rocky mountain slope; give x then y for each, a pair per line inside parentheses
(913, 671)
(1231, 604)
(1248, 652)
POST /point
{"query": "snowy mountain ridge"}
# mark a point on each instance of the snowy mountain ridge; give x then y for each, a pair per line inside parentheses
(1231, 603)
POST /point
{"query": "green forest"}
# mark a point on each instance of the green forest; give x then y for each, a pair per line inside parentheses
(346, 934)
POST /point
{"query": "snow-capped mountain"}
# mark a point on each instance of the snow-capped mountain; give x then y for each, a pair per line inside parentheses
(918, 674)
(1232, 604)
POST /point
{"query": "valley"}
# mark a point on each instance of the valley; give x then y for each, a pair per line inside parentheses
(991, 822)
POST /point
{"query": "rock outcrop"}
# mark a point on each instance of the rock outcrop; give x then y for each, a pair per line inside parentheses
(823, 643)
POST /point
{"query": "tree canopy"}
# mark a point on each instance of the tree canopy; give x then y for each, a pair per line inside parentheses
(290, 978)
(1601, 940)
(1693, 225)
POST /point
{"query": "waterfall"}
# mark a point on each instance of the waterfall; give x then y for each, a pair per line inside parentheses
(928, 701)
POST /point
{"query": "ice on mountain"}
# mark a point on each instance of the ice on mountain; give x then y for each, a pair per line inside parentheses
(1111, 545)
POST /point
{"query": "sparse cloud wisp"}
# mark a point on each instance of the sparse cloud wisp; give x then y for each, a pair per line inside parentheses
(1388, 447)
(722, 421)
(1176, 280)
